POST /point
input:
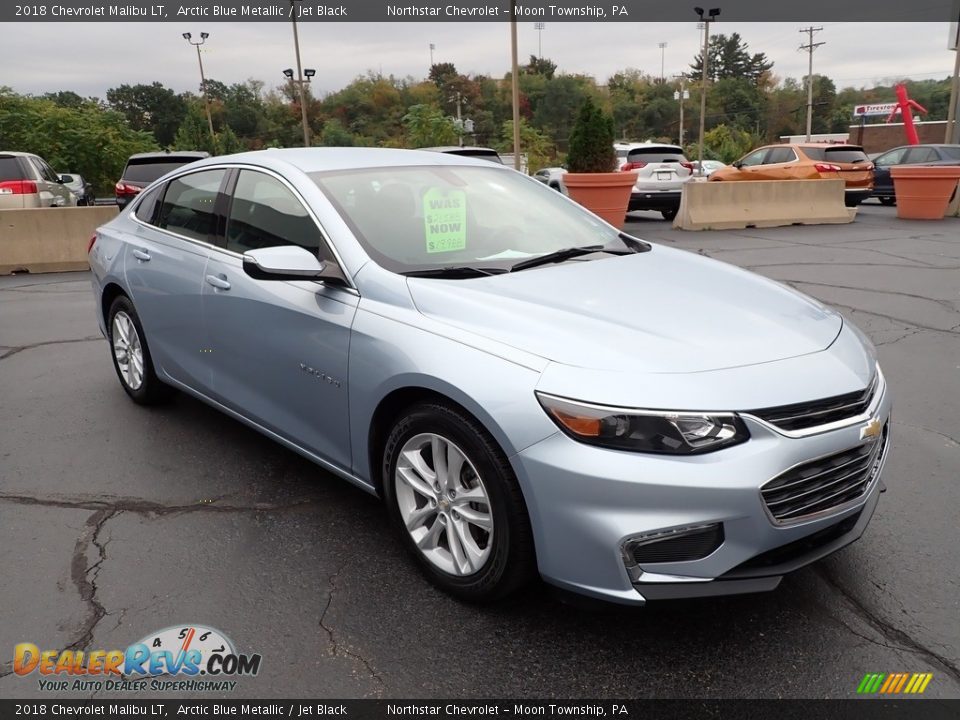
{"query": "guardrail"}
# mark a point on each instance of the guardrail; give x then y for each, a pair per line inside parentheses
(48, 239)
(728, 205)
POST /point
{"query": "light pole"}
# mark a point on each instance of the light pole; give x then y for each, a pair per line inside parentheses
(681, 96)
(300, 81)
(203, 80)
(539, 26)
(711, 15)
(432, 48)
(663, 48)
(515, 86)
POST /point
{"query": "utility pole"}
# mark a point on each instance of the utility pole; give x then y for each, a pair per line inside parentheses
(432, 48)
(681, 96)
(515, 86)
(663, 47)
(459, 120)
(711, 16)
(810, 47)
(539, 28)
(203, 79)
(300, 82)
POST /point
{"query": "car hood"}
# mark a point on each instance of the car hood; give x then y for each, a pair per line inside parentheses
(665, 311)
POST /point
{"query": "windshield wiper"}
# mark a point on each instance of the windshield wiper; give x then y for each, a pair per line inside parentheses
(565, 254)
(634, 244)
(455, 272)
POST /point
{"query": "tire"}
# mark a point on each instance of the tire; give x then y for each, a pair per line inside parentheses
(888, 201)
(131, 355)
(670, 214)
(852, 202)
(480, 559)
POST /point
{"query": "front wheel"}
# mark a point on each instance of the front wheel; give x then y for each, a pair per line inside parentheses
(888, 201)
(670, 214)
(131, 355)
(453, 496)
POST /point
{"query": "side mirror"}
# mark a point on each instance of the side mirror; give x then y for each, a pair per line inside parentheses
(737, 164)
(290, 262)
(64, 179)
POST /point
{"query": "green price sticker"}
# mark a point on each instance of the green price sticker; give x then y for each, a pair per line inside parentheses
(445, 220)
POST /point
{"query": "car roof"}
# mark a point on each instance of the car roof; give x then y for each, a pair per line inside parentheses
(17, 153)
(457, 148)
(198, 154)
(825, 146)
(316, 159)
(638, 145)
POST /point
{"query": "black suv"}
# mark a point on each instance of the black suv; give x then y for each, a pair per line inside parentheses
(143, 168)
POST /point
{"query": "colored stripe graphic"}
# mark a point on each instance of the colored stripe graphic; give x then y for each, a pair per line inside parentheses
(894, 683)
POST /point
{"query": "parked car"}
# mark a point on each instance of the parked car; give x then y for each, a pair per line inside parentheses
(552, 177)
(709, 167)
(908, 155)
(463, 342)
(469, 151)
(806, 162)
(661, 172)
(28, 181)
(143, 168)
(79, 187)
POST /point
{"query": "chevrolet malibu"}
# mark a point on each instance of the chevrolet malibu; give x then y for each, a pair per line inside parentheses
(528, 389)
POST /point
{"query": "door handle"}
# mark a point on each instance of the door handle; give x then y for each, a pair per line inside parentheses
(141, 255)
(218, 282)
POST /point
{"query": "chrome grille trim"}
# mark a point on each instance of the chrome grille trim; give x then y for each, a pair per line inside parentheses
(874, 394)
(846, 484)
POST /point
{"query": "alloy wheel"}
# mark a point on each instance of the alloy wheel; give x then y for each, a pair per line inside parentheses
(127, 350)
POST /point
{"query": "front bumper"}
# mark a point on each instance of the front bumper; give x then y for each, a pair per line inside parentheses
(586, 502)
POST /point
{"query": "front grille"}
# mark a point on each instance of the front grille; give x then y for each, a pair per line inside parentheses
(678, 547)
(798, 548)
(824, 483)
(800, 416)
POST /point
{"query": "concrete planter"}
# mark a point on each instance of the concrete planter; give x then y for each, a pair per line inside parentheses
(923, 193)
(603, 194)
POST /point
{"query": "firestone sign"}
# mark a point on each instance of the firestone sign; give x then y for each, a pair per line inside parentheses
(879, 109)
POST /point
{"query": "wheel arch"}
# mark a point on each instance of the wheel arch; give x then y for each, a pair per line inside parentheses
(111, 291)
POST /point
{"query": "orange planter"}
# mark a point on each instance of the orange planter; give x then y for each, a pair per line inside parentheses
(603, 194)
(923, 193)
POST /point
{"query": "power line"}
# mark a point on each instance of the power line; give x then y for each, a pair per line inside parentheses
(810, 47)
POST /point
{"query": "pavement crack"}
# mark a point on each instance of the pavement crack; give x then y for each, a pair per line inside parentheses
(85, 575)
(336, 648)
(146, 507)
(950, 438)
(14, 350)
(902, 641)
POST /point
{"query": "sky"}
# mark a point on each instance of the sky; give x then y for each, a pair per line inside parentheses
(89, 58)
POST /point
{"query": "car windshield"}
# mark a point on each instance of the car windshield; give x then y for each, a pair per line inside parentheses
(412, 219)
(146, 170)
(837, 154)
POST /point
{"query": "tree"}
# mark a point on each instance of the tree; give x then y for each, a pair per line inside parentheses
(536, 145)
(153, 108)
(427, 126)
(591, 142)
(729, 58)
(334, 134)
(540, 66)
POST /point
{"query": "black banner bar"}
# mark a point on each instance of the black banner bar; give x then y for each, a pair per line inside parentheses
(477, 11)
(302, 709)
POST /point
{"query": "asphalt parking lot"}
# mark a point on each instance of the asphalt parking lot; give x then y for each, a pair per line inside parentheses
(116, 521)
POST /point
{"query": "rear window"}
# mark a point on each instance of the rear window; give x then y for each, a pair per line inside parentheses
(650, 155)
(10, 169)
(836, 154)
(146, 170)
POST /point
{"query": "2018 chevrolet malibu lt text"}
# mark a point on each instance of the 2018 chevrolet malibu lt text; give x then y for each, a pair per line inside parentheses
(530, 390)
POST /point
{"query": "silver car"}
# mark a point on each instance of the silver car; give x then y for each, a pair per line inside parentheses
(530, 390)
(28, 181)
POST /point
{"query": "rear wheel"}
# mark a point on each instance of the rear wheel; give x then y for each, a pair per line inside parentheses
(670, 214)
(452, 495)
(131, 355)
(888, 201)
(852, 202)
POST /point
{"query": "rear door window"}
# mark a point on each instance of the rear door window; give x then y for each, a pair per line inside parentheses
(921, 154)
(950, 153)
(188, 206)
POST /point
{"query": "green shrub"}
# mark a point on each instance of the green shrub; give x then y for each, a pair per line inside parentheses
(591, 141)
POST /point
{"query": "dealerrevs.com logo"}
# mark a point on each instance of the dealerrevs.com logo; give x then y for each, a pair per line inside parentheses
(179, 658)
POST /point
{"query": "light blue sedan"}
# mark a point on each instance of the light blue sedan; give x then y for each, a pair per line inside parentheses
(530, 390)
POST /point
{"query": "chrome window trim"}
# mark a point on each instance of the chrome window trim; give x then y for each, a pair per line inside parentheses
(878, 394)
(351, 286)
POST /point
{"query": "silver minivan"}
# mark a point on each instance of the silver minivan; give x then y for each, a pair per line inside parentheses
(28, 181)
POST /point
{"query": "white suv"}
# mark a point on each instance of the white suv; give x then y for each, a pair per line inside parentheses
(661, 172)
(27, 181)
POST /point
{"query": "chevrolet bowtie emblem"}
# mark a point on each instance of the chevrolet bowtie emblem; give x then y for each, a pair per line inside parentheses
(871, 430)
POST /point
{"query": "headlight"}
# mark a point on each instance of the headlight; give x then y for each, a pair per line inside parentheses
(648, 431)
